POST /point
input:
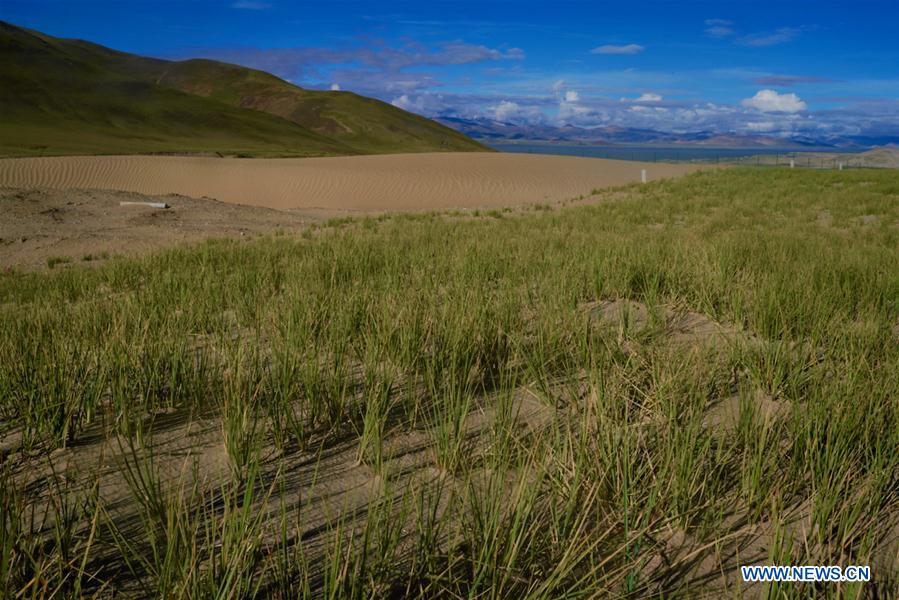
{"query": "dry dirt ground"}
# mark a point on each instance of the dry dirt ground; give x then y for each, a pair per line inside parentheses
(347, 183)
(78, 226)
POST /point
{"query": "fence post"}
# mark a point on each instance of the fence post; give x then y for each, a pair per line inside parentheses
(642, 175)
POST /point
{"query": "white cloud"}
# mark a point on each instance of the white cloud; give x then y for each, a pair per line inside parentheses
(374, 68)
(512, 112)
(771, 101)
(460, 53)
(335, 87)
(771, 38)
(719, 28)
(250, 5)
(572, 112)
(508, 111)
(649, 97)
(425, 103)
(762, 126)
(613, 49)
(407, 103)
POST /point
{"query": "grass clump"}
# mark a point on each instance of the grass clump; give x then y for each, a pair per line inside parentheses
(53, 261)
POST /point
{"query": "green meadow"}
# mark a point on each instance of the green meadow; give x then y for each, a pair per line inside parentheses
(626, 396)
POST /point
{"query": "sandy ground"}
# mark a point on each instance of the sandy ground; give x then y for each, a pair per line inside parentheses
(354, 183)
(84, 226)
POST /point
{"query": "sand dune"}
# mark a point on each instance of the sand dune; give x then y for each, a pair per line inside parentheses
(363, 183)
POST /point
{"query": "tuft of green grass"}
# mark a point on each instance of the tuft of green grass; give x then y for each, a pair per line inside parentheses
(53, 261)
(94, 257)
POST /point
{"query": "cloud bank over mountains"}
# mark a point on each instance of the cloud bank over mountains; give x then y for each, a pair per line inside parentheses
(610, 84)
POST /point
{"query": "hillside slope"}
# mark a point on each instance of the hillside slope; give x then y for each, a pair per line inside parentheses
(366, 124)
(73, 97)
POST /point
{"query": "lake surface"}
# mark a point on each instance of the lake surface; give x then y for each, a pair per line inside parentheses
(648, 153)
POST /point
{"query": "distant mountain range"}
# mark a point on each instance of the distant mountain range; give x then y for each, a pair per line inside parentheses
(60, 96)
(491, 131)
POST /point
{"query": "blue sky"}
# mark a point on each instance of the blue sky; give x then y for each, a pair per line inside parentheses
(781, 68)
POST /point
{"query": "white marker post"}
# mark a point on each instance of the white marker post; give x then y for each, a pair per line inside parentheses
(643, 175)
(792, 163)
(841, 166)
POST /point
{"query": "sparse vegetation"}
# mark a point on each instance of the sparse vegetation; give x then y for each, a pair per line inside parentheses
(53, 261)
(90, 257)
(626, 399)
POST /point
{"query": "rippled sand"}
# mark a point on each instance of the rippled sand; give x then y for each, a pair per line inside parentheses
(363, 183)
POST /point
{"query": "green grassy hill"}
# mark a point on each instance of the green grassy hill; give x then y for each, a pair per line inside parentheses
(70, 97)
(364, 123)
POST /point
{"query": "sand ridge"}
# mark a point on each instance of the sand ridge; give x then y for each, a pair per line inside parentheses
(426, 181)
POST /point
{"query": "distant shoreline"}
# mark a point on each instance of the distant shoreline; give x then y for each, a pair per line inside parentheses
(654, 153)
(673, 146)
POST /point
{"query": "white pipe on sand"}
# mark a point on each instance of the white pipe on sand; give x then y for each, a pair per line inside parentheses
(150, 204)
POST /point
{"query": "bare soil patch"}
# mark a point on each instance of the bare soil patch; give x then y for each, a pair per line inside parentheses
(680, 326)
(84, 226)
